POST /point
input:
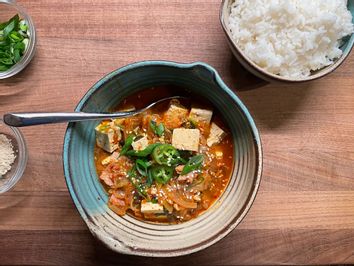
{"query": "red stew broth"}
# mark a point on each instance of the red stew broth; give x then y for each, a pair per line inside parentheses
(223, 168)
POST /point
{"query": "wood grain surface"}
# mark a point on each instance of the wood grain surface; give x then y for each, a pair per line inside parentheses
(304, 211)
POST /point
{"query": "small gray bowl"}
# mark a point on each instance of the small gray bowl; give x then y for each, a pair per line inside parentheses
(263, 74)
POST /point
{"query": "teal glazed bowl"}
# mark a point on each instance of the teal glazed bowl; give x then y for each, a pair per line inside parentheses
(125, 234)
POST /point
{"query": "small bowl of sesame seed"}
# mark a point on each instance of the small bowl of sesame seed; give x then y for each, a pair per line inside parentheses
(13, 156)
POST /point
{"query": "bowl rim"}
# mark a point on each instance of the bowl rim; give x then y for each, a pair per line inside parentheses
(260, 72)
(256, 140)
(22, 158)
(32, 43)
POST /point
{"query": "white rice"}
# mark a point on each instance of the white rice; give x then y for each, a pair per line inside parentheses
(290, 38)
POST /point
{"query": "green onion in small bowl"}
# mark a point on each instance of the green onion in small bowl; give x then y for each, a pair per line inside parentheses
(17, 39)
(14, 35)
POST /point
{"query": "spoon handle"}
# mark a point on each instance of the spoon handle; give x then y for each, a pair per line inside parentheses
(31, 119)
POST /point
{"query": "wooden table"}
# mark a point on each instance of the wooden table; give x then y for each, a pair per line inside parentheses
(304, 211)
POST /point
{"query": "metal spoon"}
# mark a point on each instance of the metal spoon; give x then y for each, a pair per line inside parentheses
(32, 119)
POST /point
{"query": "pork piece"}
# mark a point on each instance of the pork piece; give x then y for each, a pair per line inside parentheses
(200, 115)
(176, 115)
(116, 201)
(107, 178)
(119, 206)
(179, 169)
(108, 136)
(216, 135)
(186, 139)
(188, 177)
(118, 169)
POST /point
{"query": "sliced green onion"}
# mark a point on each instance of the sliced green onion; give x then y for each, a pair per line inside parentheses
(13, 42)
(142, 166)
(157, 129)
(23, 26)
(16, 37)
(133, 178)
(144, 153)
(154, 200)
(127, 145)
(9, 28)
(149, 179)
(194, 163)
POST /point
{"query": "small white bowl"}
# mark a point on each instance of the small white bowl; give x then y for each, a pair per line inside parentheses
(19, 166)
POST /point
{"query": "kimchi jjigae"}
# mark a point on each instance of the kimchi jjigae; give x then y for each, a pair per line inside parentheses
(168, 164)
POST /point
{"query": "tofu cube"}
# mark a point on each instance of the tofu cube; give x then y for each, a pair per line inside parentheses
(108, 136)
(140, 144)
(175, 115)
(200, 115)
(216, 135)
(186, 139)
(151, 208)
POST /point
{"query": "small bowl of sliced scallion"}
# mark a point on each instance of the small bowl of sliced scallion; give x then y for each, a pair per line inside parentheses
(17, 39)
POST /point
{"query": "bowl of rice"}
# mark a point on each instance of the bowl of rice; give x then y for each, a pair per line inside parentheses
(289, 41)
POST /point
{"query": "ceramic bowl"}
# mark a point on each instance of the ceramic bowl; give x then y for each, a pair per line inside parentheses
(131, 236)
(263, 74)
